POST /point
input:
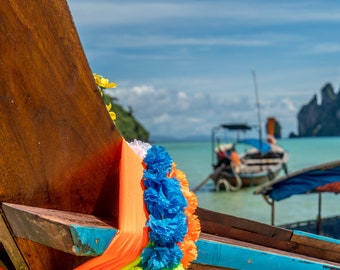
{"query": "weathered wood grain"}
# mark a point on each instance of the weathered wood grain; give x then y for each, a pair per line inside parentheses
(316, 246)
(57, 140)
(221, 225)
(58, 146)
(74, 233)
(267, 236)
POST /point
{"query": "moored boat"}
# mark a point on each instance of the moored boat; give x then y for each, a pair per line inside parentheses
(261, 161)
(318, 179)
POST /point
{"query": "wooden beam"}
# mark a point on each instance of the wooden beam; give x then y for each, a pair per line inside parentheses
(74, 233)
(269, 236)
(221, 224)
(316, 245)
(233, 254)
(10, 246)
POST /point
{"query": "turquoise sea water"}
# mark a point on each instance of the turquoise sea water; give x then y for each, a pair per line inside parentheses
(194, 158)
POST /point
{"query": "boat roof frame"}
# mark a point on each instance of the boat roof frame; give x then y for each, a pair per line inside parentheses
(236, 126)
(267, 188)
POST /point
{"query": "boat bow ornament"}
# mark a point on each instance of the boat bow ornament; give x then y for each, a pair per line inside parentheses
(157, 225)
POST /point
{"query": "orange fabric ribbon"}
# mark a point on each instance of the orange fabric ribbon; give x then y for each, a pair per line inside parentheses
(132, 236)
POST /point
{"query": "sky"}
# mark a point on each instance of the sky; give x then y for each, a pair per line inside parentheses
(186, 66)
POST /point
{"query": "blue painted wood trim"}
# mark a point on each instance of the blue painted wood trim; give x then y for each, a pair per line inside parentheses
(91, 241)
(235, 257)
(317, 237)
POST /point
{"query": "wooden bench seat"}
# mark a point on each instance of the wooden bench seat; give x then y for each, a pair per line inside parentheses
(255, 168)
(265, 161)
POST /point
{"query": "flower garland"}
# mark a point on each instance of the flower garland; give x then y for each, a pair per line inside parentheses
(173, 227)
(188, 245)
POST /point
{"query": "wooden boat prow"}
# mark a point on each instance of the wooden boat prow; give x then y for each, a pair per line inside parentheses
(52, 115)
(57, 141)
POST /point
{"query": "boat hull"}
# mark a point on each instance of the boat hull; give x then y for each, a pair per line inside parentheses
(226, 242)
(227, 179)
(250, 180)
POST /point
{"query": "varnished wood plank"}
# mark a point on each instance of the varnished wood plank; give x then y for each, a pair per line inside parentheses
(315, 252)
(317, 246)
(215, 228)
(59, 147)
(261, 239)
(78, 234)
(233, 232)
(266, 235)
(218, 223)
(317, 241)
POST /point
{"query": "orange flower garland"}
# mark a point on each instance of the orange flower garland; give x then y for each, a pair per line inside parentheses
(188, 245)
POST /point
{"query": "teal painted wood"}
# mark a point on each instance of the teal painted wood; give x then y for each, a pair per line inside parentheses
(317, 237)
(91, 241)
(235, 257)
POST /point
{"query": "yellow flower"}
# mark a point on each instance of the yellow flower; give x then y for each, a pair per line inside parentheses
(108, 106)
(102, 82)
(113, 115)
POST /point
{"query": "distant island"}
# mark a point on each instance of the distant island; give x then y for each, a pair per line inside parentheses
(129, 127)
(315, 120)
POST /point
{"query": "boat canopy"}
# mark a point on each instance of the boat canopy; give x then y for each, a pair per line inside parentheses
(262, 146)
(237, 126)
(321, 178)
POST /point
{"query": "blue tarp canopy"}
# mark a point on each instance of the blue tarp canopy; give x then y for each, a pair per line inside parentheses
(304, 181)
(262, 146)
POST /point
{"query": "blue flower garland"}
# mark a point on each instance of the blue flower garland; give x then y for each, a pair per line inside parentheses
(165, 204)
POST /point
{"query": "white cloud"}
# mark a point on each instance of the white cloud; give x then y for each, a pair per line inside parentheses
(326, 48)
(175, 113)
(145, 40)
(289, 105)
(161, 119)
(190, 61)
(143, 90)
